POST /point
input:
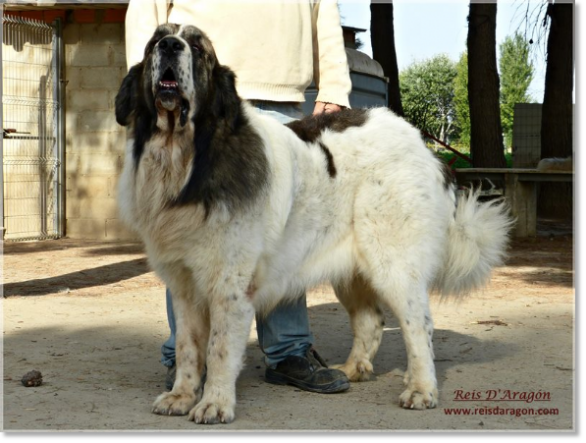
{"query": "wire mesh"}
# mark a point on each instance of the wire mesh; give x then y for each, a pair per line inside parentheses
(30, 129)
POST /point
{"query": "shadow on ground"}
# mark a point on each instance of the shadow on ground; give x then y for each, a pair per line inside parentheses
(87, 278)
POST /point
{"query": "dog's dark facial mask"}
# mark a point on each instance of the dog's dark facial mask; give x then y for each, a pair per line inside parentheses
(171, 81)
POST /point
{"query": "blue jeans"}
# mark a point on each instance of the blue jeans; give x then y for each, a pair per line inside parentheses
(285, 330)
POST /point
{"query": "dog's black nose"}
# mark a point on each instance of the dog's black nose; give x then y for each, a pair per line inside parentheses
(171, 45)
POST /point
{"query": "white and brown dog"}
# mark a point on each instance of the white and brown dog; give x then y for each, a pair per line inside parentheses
(238, 212)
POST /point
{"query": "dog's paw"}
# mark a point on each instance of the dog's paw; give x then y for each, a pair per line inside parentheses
(357, 370)
(169, 403)
(419, 398)
(207, 412)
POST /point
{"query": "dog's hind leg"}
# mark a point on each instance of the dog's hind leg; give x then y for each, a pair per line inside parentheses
(410, 305)
(192, 319)
(367, 321)
(399, 241)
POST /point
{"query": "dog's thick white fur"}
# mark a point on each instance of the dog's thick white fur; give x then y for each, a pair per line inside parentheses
(364, 205)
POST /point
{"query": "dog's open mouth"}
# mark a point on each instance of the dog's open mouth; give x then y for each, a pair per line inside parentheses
(168, 94)
(169, 98)
(168, 81)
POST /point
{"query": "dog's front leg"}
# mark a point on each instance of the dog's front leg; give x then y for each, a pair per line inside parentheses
(191, 337)
(192, 319)
(230, 320)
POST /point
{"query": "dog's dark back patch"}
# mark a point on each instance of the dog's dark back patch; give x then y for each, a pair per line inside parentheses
(310, 128)
(330, 159)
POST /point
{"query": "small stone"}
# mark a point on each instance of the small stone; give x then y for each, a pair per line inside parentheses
(32, 378)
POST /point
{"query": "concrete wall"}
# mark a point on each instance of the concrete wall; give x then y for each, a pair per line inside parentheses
(95, 66)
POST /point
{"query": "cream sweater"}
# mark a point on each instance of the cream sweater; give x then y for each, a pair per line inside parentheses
(275, 47)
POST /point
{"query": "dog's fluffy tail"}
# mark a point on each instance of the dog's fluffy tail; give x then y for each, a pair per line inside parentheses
(477, 241)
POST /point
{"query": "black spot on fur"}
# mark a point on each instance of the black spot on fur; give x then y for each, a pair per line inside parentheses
(310, 128)
(330, 159)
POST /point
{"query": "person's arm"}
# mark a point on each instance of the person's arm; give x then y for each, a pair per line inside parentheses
(331, 72)
(142, 18)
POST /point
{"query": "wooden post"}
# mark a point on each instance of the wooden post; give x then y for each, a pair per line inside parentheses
(522, 196)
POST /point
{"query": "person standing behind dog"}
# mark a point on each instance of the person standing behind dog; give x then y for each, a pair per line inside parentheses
(275, 48)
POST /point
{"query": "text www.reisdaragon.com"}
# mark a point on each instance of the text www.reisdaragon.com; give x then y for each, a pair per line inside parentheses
(498, 410)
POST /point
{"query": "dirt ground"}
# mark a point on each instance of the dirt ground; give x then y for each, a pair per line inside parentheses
(91, 318)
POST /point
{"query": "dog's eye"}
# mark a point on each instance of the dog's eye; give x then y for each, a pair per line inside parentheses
(196, 48)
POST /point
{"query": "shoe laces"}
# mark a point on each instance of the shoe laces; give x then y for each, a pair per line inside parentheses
(315, 359)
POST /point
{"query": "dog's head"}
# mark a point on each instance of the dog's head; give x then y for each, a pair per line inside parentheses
(179, 76)
(180, 91)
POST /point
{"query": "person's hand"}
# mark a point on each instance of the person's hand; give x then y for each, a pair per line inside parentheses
(325, 108)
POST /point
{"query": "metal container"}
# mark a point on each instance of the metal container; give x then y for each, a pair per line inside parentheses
(369, 85)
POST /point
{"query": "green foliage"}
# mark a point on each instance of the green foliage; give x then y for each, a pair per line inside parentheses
(447, 156)
(435, 92)
(427, 92)
(461, 105)
(516, 73)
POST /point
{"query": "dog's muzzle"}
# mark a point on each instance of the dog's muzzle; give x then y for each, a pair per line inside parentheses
(168, 90)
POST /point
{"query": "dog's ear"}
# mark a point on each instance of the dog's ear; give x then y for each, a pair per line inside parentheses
(226, 103)
(127, 97)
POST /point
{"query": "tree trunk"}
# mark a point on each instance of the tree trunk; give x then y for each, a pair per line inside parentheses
(382, 37)
(555, 199)
(556, 113)
(486, 134)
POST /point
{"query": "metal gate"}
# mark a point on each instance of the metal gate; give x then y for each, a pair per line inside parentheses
(32, 130)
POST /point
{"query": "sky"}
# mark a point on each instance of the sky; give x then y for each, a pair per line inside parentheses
(424, 29)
